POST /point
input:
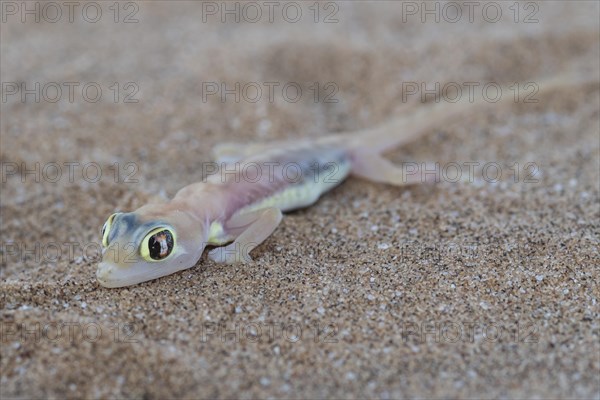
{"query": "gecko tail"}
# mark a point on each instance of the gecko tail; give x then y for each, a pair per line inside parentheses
(423, 118)
(366, 147)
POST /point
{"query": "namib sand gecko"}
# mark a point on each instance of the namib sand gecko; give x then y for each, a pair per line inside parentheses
(233, 214)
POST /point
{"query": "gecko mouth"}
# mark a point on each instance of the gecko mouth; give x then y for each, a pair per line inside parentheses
(112, 275)
(103, 273)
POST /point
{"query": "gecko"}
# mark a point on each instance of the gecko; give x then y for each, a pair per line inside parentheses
(234, 212)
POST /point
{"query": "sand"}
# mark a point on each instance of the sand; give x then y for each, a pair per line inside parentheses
(487, 288)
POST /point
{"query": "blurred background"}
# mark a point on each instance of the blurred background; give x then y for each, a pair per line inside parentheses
(109, 105)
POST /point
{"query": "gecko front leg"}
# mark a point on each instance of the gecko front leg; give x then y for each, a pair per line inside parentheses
(249, 229)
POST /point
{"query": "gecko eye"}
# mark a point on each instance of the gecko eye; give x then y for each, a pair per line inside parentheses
(106, 229)
(157, 245)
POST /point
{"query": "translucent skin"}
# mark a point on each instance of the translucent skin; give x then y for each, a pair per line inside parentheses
(223, 196)
(240, 211)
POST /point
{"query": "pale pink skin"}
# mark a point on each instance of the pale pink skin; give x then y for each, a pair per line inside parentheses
(218, 199)
(247, 211)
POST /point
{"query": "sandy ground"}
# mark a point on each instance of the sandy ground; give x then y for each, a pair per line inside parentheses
(487, 288)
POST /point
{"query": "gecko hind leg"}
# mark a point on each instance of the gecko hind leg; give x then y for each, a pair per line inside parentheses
(249, 229)
(228, 152)
(231, 152)
(374, 167)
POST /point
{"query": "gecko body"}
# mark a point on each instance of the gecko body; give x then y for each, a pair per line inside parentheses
(243, 196)
(236, 209)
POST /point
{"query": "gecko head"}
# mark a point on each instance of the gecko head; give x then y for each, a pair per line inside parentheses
(147, 244)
